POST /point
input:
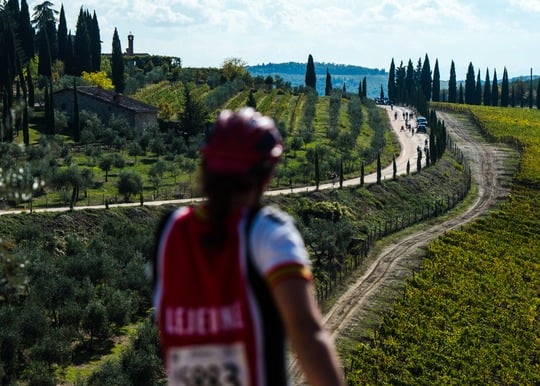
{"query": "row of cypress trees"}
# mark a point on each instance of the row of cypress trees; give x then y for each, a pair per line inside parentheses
(411, 85)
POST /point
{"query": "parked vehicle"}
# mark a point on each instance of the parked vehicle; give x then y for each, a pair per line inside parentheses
(421, 121)
(421, 128)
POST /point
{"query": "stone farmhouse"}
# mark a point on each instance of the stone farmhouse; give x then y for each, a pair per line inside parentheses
(105, 104)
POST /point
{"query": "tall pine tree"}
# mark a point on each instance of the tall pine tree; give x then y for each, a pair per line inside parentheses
(311, 78)
(117, 64)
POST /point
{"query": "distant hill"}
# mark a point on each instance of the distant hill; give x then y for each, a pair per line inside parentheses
(349, 75)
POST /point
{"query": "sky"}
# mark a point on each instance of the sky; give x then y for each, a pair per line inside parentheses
(490, 34)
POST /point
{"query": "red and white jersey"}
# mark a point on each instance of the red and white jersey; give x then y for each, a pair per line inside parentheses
(217, 319)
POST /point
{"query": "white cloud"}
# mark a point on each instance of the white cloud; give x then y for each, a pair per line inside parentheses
(527, 5)
(368, 33)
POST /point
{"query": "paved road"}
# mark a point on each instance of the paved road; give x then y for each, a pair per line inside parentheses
(408, 142)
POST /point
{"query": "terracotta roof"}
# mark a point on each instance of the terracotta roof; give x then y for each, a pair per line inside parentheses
(113, 97)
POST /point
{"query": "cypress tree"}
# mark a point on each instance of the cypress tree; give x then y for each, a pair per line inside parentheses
(69, 62)
(432, 143)
(400, 83)
(409, 83)
(311, 78)
(531, 91)
(328, 86)
(436, 88)
(30, 85)
(8, 70)
(344, 91)
(27, 32)
(44, 64)
(470, 86)
(251, 102)
(419, 160)
(82, 53)
(362, 173)
(26, 133)
(425, 79)
(12, 9)
(461, 97)
(478, 90)
(487, 89)
(505, 91)
(76, 117)
(513, 96)
(52, 123)
(46, 107)
(408, 167)
(394, 167)
(392, 81)
(360, 93)
(27, 35)
(117, 64)
(494, 90)
(452, 84)
(538, 94)
(364, 87)
(317, 171)
(193, 119)
(62, 35)
(95, 42)
(341, 176)
(379, 169)
(521, 93)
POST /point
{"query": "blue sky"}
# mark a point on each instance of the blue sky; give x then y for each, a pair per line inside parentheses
(491, 34)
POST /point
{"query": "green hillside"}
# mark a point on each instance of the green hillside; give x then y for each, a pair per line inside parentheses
(341, 74)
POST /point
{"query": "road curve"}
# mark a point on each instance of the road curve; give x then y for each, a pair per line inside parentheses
(488, 173)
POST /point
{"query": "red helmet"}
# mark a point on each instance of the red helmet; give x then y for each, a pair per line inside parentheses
(242, 140)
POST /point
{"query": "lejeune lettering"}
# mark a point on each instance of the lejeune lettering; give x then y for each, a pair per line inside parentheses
(203, 320)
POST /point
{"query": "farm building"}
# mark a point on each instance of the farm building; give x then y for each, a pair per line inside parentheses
(106, 104)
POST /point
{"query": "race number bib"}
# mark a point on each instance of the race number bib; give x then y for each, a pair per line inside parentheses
(208, 365)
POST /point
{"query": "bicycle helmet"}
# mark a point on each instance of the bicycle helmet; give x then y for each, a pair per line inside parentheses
(242, 141)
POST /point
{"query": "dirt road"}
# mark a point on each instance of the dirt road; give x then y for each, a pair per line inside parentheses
(392, 263)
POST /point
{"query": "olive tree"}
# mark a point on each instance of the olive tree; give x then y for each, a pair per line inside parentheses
(129, 183)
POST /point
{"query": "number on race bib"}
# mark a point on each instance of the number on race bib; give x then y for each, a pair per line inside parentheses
(208, 365)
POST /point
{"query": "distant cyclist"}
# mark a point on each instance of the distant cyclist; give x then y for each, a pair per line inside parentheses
(233, 276)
